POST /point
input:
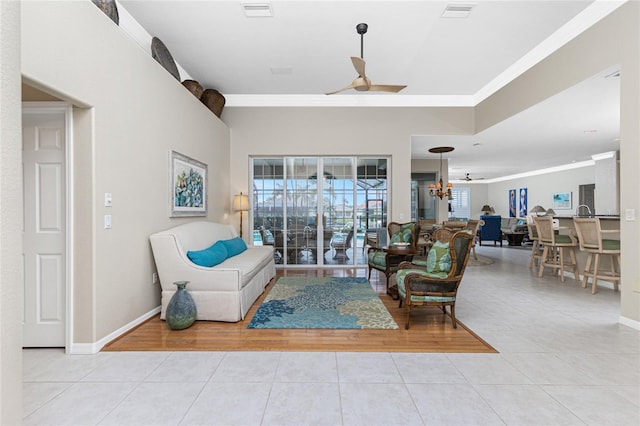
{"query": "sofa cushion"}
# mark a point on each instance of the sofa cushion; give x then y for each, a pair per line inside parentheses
(210, 256)
(234, 246)
(439, 259)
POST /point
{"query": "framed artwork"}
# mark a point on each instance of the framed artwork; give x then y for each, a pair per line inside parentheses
(512, 203)
(562, 201)
(188, 186)
(523, 202)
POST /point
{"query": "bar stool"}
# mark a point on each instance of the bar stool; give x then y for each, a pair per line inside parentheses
(591, 241)
(554, 247)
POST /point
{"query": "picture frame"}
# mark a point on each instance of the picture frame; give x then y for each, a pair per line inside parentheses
(188, 186)
(562, 200)
(523, 202)
(512, 203)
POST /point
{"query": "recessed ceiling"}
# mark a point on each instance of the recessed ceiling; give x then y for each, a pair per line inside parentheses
(303, 51)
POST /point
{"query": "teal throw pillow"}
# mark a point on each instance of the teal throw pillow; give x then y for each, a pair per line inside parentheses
(439, 259)
(219, 253)
(209, 257)
(234, 246)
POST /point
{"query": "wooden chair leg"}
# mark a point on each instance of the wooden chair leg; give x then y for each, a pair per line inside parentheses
(587, 270)
(534, 250)
(406, 326)
(615, 258)
(543, 260)
(596, 265)
(561, 250)
(572, 255)
(452, 309)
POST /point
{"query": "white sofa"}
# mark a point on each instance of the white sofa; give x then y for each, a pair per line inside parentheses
(224, 292)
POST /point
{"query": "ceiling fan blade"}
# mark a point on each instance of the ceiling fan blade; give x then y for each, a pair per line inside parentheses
(351, 86)
(385, 88)
(360, 83)
(358, 64)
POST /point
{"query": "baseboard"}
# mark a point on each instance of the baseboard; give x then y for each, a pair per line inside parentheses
(601, 281)
(92, 348)
(629, 322)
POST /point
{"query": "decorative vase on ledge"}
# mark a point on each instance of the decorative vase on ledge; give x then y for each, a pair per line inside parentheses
(181, 310)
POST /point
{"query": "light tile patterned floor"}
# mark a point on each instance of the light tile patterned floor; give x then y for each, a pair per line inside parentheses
(563, 360)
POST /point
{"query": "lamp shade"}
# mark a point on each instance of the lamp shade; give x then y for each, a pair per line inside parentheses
(241, 202)
(487, 209)
(538, 209)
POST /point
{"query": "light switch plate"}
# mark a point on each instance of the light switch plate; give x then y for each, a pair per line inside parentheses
(107, 221)
(630, 215)
(107, 199)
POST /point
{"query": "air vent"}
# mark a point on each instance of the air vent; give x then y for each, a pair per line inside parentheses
(257, 10)
(454, 10)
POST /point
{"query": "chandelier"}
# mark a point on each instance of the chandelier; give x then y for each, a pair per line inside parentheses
(438, 190)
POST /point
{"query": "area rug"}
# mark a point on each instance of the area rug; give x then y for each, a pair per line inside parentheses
(323, 302)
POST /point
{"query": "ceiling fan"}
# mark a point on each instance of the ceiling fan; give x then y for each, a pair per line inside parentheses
(362, 83)
(469, 178)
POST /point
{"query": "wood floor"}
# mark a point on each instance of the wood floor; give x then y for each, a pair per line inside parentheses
(430, 331)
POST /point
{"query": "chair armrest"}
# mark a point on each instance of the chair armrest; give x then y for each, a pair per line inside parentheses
(409, 265)
(370, 249)
(610, 231)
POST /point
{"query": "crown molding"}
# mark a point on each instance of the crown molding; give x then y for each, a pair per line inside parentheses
(345, 100)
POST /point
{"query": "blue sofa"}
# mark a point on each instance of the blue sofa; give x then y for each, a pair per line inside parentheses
(491, 231)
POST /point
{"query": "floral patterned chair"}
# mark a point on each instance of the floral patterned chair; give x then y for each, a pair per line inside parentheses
(436, 283)
(386, 262)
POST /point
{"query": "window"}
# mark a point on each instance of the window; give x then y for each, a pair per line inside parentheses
(460, 203)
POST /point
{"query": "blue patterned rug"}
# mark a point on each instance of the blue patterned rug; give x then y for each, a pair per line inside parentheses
(322, 302)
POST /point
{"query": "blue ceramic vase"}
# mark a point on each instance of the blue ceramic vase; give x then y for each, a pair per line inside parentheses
(181, 310)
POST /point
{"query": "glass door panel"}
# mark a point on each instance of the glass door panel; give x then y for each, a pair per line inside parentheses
(338, 197)
(268, 204)
(302, 210)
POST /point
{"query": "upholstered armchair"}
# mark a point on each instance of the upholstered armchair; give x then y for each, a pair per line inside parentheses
(436, 283)
(383, 261)
(491, 230)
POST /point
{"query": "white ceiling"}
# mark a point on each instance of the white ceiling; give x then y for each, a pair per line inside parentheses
(443, 61)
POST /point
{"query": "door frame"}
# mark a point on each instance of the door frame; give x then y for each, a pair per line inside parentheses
(66, 109)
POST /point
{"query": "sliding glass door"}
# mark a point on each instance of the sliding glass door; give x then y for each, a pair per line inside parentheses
(315, 210)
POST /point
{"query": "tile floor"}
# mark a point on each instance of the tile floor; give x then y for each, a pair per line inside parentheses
(563, 360)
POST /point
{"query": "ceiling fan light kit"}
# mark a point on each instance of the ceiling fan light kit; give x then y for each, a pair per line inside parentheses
(440, 190)
(362, 83)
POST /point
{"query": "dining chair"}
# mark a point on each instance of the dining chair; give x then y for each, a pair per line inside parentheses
(590, 239)
(555, 244)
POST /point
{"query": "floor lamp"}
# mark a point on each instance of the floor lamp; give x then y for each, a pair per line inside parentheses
(241, 204)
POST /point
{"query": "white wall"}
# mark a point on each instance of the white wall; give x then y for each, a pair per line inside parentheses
(540, 189)
(10, 217)
(130, 113)
(615, 40)
(340, 131)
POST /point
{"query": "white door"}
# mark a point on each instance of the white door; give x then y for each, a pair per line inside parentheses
(43, 144)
